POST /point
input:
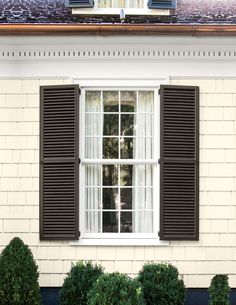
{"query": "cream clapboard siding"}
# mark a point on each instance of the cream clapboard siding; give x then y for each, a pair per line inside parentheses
(197, 261)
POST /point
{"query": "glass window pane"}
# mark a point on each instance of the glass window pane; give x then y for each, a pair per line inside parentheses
(144, 148)
(110, 148)
(144, 127)
(110, 175)
(93, 148)
(145, 101)
(93, 175)
(142, 175)
(93, 124)
(120, 3)
(110, 199)
(105, 3)
(93, 101)
(111, 101)
(126, 197)
(136, 3)
(110, 222)
(128, 101)
(93, 222)
(143, 222)
(127, 125)
(136, 198)
(136, 175)
(93, 198)
(126, 175)
(142, 198)
(126, 222)
(111, 125)
(126, 146)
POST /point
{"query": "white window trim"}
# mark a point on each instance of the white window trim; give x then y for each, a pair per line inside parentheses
(145, 11)
(126, 239)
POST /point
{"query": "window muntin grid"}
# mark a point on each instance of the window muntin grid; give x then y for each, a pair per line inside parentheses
(119, 129)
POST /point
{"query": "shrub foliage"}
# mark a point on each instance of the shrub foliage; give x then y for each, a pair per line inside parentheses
(161, 284)
(115, 289)
(219, 290)
(18, 275)
(78, 283)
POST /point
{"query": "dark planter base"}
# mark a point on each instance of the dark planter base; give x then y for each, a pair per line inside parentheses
(195, 296)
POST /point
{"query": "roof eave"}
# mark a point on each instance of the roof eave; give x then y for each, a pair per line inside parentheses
(118, 29)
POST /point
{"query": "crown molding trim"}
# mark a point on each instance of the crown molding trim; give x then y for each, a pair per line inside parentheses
(117, 53)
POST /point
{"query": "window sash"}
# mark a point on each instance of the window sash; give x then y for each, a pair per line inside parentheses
(110, 4)
(143, 134)
(153, 162)
(120, 236)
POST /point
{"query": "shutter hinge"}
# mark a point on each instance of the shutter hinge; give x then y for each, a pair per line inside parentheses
(79, 91)
(79, 234)
(79, 160)
(159, 91)
(159, 161)
(159, 233)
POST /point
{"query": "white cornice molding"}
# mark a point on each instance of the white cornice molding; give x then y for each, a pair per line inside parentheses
(117, 48)
(117, 53)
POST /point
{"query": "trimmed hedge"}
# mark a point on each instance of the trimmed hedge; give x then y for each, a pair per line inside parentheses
(18, 275)
(78, 283)
(116, 289)
(162, 285)
(219, 290)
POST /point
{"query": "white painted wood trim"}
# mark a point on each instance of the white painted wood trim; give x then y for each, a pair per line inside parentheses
(111, 49)
(120, 239)
(119, 242)
(116, 53)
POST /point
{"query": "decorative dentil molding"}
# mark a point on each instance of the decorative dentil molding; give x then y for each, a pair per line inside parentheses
(90, 52)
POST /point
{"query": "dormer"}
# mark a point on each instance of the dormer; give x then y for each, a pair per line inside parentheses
(114, 7)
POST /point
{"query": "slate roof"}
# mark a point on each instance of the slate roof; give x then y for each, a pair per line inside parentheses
(55, 11)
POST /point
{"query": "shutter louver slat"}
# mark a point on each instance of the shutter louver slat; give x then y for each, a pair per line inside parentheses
(179, 219)
(59, 162)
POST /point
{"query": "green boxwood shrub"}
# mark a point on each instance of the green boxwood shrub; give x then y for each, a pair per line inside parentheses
(78, 283)
(115, 289)
(219, 290)
(162, 285)
(18, 275)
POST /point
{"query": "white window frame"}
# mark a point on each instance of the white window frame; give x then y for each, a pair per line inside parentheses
(116, 11)
(122, 239)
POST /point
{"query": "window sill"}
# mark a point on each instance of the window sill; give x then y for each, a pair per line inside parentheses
(119, 242)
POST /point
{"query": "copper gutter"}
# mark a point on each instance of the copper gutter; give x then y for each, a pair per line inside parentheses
(118, 29)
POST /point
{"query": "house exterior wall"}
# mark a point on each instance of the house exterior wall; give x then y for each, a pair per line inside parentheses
(197, 261)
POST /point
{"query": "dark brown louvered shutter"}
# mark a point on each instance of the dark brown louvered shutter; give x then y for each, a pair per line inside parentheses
(59, 162)
(162, 4)
(179, 171)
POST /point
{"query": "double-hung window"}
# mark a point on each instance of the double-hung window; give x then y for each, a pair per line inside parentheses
(120, 163)
(100, 165)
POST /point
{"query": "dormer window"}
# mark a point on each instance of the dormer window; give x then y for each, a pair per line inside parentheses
(120, 3)
(113, 7)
